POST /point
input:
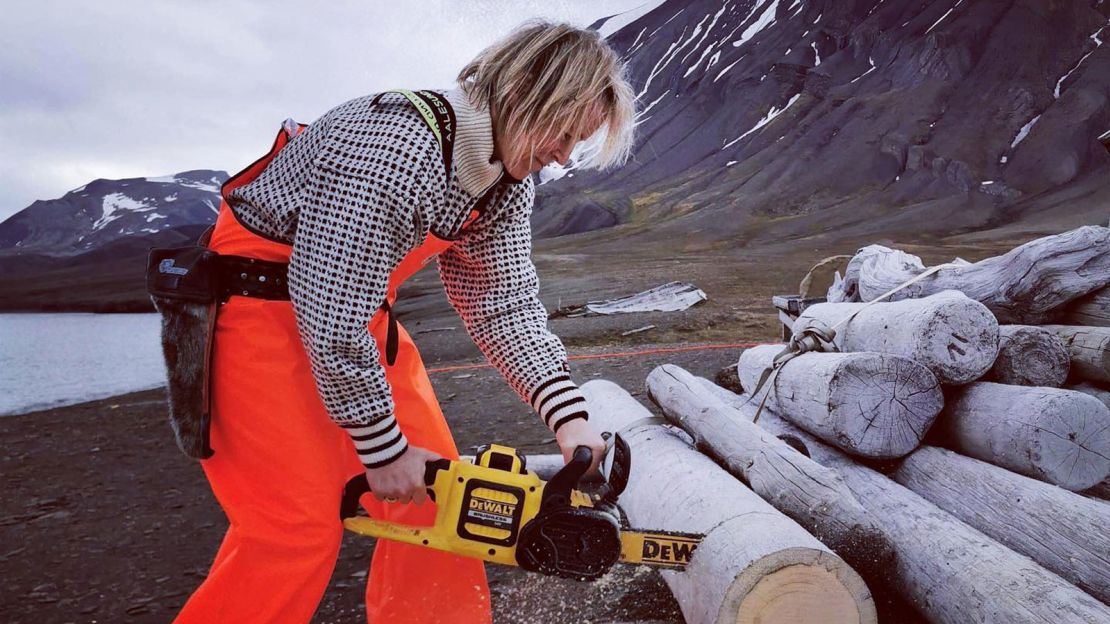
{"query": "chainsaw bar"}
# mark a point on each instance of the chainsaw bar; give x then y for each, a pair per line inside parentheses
(661, 549)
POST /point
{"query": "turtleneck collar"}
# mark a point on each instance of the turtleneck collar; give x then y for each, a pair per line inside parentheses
(473, 157)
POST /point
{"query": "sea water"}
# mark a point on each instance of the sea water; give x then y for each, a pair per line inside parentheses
(48, 359)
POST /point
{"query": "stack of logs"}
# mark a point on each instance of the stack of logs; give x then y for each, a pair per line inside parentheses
(952, 452)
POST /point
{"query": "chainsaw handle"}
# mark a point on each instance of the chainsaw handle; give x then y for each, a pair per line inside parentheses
(558, 489)
(358, 485)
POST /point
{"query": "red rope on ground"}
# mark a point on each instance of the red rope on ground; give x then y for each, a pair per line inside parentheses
(592, 356)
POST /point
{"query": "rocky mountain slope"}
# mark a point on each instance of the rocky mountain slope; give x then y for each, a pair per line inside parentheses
(767, 120)
(87, 249)
(104, 211)
(762, 124)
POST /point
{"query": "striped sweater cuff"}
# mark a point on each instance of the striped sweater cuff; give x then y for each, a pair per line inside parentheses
(379, 443)
(559, 401)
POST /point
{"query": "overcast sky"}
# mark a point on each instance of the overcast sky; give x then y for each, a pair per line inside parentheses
(115, 89)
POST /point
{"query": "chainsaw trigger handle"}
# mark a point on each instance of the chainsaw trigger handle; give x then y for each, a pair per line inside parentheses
(433, 469)
(358, 485)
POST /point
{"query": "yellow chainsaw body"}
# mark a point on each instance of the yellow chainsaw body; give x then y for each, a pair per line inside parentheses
(480, 508)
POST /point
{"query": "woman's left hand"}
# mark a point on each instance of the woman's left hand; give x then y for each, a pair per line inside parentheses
(579, 432)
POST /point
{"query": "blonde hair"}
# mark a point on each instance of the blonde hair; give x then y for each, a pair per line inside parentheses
(545, 79)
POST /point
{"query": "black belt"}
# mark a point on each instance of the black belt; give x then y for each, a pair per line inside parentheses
(251, 277)
(265, 279)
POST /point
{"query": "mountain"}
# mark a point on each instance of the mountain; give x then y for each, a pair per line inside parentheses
(760, 122)
(86, 250)
(104, 211)
(769, 120)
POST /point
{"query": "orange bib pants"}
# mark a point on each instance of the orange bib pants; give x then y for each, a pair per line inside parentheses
(280, 465)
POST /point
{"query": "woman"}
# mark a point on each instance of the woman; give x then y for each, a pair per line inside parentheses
(355, 203)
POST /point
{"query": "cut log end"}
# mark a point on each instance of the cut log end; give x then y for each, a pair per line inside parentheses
(886, 405)
(953, 336)
(1071, 452)
(1089, 350)
(801, 593)
(1058, 436)
(1030, 356)
(870, 404)
(969, 344)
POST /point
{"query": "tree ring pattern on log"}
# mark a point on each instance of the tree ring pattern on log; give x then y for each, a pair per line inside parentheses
(1030, 356)
(883, 405)
(776, 599)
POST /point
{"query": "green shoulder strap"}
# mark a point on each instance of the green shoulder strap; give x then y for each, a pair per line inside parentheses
(439, 116)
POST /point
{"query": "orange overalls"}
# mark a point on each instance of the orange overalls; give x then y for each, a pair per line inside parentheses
(281, 464)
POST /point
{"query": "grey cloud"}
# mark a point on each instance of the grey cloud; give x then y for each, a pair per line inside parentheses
(126, 89)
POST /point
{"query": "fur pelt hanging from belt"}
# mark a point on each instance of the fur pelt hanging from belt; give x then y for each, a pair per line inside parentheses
(186, 343)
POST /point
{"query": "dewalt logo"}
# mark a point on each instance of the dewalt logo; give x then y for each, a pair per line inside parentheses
(494, 507)
(490, 512)
(666, 550)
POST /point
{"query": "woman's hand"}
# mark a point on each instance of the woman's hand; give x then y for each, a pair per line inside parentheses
(579, 432)
(402, 481)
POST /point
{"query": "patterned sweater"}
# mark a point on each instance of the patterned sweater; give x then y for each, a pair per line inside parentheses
(353, 194)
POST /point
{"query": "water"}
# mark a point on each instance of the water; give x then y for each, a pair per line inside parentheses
(47, 360)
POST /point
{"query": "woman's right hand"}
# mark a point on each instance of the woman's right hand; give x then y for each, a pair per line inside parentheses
(402, 480)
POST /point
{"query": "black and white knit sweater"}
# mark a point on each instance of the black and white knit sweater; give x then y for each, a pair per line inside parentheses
(353, 194)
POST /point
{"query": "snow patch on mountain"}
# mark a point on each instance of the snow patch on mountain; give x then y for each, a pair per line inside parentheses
(620, 20)
(768, 118)
(1098, 44)
(872, 62)
(116, 205)
(949, 11)
(730, 66)
(212, 185)
(764, 20)
(1024, 132)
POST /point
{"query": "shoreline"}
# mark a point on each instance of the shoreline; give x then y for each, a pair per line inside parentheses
(63, 403)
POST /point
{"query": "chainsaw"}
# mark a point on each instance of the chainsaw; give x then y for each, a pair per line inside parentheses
(496, 510)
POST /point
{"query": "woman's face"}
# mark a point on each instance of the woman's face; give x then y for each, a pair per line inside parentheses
(519, 162)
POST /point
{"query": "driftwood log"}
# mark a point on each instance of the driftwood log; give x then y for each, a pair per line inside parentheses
(814, 496)
(1022, 286)
(1039, 520)
(952, 335)
(755, 564)
(545, 466)
(1090, 309)
(1029, 356)
(951, 572)
(869, 404)
(1050, 434)
(1089, 349)
(1058, 529)
(1102, 490)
